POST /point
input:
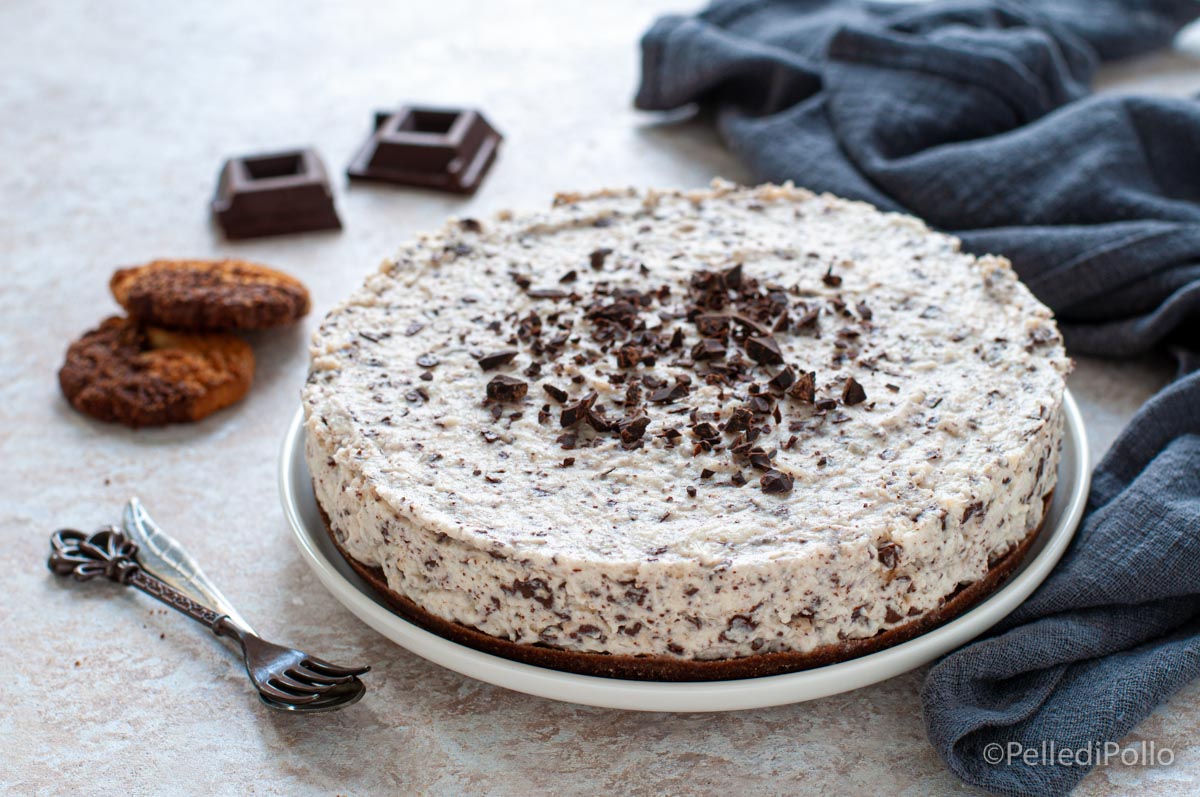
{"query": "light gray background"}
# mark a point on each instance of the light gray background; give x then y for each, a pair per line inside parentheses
(114, 119)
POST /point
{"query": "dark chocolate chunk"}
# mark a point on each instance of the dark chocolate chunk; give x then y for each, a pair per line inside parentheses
(448, 149)
(633, 429)
(826, 404)
(506, 388)
(556, 393)
(739, 421)
(274, 194)
(598, 257)
(831, 279)
(578, 411)
(628, 356)
(784, 379)
(570, 276)
(705, 431)
(776, 482)
(805, 388)
(496, 359)
(853, 393)
(707, 474)
(972, 510)
(889, 554)
(763, 350)
(708, 349)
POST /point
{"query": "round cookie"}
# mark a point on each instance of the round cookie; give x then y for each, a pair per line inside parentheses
(210, 294)
(144, 376)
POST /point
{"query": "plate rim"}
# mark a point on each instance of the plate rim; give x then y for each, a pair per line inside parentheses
(691, 696)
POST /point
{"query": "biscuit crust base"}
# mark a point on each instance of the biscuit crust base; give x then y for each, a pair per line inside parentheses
(667, 668)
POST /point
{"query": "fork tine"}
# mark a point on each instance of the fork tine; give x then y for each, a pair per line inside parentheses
(288, 682)
(325, 668)
(280, 696)
(303, 673)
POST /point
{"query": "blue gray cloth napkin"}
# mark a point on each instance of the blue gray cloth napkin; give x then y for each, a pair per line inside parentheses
(976, 116)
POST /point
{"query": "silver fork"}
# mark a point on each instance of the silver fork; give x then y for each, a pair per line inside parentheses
(286, 679)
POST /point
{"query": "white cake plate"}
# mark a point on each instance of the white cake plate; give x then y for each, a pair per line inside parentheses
(1065, 511)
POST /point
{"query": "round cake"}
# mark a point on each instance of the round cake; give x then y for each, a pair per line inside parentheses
(685, 435)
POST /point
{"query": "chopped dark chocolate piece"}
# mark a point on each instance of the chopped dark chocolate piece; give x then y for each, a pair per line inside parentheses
(574, 413)
(739, 420)
(570, 276)
(598, 257)
(776, 482)
(506, 388)
(826, 404)
(707, 474)
(738, 479)
(805, 388)
(713, 325)
(628, 356)
(633, 429)
(784, 379)
(763, 350)
(556, 393)
(853, 393)
(864, 312)
(831, 279)
(708, 349)
(496, 359)
(705, 431)
(889, 554)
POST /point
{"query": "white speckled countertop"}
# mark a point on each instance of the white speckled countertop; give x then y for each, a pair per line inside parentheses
(116, 121)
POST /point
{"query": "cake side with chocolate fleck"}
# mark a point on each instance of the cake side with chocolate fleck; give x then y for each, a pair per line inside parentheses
(699, 425)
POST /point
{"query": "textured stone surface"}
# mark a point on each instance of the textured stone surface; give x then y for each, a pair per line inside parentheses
(117, 119)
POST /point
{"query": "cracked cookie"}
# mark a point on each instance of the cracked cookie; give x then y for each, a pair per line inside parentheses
(210, 295)
(145, 376)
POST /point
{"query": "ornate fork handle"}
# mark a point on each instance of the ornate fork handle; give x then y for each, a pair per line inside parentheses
(109, 553)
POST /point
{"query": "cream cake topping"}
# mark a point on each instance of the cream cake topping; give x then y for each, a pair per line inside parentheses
(695, 424)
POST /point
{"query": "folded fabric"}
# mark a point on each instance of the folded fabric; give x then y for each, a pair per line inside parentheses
(970, 115)
(976, 117)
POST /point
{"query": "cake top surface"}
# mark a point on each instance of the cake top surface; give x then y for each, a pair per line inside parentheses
(719, 375)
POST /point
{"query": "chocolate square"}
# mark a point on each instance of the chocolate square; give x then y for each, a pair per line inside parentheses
(274, 194)
(447, 149)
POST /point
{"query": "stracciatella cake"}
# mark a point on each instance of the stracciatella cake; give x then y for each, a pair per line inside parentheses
(695, 425)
